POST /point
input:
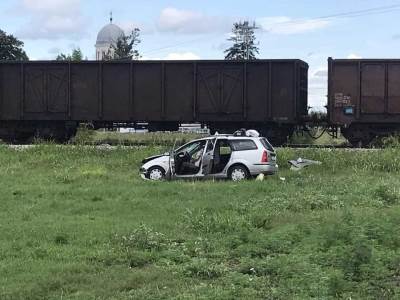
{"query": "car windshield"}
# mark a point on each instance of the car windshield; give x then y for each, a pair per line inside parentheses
(191, 147)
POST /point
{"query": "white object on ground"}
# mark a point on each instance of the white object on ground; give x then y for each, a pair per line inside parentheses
(260, 177)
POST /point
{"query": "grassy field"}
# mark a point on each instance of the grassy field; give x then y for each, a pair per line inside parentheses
(79, 223)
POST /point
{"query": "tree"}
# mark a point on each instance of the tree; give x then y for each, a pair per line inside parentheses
(244, 42)
(11, 48)
(62, 57)
(125, 47)
(76, 55)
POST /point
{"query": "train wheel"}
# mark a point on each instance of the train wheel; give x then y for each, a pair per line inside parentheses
(358, 136)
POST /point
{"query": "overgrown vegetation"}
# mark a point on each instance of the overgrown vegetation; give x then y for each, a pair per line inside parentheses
(90, 137)
(77, 222)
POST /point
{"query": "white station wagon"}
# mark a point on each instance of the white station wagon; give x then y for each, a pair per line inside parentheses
(237, 157)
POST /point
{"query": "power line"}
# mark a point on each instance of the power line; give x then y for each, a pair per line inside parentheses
(349, 14)
(355, 13)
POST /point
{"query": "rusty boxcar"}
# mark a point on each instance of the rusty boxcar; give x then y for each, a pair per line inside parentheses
(364, 98)
(48, 98)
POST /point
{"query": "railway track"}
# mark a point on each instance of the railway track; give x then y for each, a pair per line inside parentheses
(301, 146)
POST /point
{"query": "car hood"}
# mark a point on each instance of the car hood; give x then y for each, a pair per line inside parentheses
(146, 160)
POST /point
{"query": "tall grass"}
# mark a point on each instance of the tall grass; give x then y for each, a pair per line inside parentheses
(77, 222)
(87, 136)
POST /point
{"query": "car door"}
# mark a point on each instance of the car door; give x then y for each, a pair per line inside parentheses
(171, 162)
(174, 159)
(208, 157)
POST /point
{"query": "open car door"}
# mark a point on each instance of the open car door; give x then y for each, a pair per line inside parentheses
(208, 158)
(172, 172)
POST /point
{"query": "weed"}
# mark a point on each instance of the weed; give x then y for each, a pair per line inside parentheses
(204, 269)
(144, 238)
(61, 239)
(387, 194)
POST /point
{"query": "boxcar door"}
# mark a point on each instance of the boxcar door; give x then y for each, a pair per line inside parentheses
(35, 89)
(220, 91)
(57, 89)
(373, 88)
(46, 89)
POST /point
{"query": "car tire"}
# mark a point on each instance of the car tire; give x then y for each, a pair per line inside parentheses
(156, 174)
(238, 173)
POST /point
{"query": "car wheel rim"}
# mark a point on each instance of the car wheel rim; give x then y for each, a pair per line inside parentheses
(238, 175)
(156, 174)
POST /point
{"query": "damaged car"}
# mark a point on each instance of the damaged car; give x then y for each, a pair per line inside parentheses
(237, 157)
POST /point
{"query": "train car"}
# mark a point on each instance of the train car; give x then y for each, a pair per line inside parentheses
(364, 98)
(50, 99)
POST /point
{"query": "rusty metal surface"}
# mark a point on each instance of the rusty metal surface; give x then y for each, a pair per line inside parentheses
(370, 87)
(158, 91)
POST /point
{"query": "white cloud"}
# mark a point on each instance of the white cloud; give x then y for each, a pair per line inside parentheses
(287, 25)
(321, 73)
(354, 56)
(52, 19)
(191, 22)
(52, 7)
(129, 26)
(318, 87)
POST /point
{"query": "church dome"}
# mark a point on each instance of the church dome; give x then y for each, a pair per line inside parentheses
(109, 34)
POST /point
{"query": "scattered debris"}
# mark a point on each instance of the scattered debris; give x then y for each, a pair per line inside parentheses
(260, 177)
(302, 163)
(282, 179)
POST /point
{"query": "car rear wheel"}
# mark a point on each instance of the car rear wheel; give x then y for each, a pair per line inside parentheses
(156, 174)
(238, 173)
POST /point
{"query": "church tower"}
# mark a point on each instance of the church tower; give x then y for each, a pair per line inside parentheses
(107, 36)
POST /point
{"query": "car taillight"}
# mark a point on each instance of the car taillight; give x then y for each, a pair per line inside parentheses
(264, 157)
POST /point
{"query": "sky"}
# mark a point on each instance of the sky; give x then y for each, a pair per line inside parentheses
(312, 30)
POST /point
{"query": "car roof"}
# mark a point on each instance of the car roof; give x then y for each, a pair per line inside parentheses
(229, 137)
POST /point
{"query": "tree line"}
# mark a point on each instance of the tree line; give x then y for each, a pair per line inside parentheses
(243, 38)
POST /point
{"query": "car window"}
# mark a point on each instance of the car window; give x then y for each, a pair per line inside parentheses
(267, 145)
(243, 145)
(210, 145)
(191, 147)
(223, 147)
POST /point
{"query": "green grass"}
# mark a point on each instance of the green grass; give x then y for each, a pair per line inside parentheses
(92, 137)
(79, 223)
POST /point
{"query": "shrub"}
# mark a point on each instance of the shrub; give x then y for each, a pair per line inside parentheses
(144, 238)
(387, 194)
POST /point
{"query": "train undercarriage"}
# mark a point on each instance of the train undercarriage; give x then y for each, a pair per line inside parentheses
(362, 135)
(357, 134)
(22, 132)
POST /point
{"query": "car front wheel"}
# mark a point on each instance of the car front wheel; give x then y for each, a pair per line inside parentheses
(156, 174)
(238, 173)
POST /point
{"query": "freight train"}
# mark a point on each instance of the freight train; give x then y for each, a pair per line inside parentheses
(51, 99)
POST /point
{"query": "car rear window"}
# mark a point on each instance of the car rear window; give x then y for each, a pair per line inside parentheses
(243, 145)
(267, 145)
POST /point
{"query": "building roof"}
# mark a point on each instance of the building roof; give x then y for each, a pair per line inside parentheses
(109, 34)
